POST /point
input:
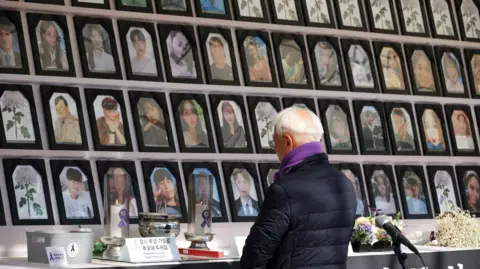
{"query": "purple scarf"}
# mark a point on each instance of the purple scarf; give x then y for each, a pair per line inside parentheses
(297, 156)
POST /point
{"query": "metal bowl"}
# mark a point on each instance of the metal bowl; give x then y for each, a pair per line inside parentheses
(158, 225)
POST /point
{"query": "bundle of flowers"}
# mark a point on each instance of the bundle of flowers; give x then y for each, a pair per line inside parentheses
(458, 229)
(365, 232)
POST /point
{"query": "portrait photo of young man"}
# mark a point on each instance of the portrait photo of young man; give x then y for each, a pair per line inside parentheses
(76, 196)
(246, 201)
(10, 54)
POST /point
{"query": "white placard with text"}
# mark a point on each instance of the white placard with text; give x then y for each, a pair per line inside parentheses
(151, 249)
(57, 257)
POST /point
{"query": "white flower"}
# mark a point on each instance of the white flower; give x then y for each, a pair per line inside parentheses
(26, 175)
(265, 110)
(13, 99)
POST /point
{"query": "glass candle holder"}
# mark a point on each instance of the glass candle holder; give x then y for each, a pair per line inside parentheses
(117, 185)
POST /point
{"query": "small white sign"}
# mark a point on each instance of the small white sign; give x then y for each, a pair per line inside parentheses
(72, 250)
(239, 244)
(56, 256)
(153, 249)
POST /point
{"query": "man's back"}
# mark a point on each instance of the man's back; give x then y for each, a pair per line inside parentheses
(306, 220)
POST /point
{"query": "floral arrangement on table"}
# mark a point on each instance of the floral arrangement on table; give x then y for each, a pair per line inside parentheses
(457, 229)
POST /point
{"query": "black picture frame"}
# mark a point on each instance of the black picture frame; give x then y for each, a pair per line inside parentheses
(164, 31)
(264, 170)
(238, 6)
(160, 99)
(303, 102)
(379, 48)
(365, 45)
(204, 34)
(253, 102)
(215, 101)
(9, 167)
(27, 93)
(176, 99)
(91, 95)
(148, 168)
(80, 3)
(147, 9)
(433, 23)
(298, 39)
(401, 170)
(13, 17)
(409, 25)
(374, 16)
(361, 24)
(52, 2)
(162, 10)
(123, 28)
(323, 106)
(410, 50)
(212, 15)
(440, 52)
(106, 24)
(467, 27)
(307, 11)
(369, 170)
(298, 10)
(61, 21)
(189, 168)
(432, 173)
(57, 167)
(420, 109)
(399, 109)
(242, 35)
(3, 221)
(335, 45)
(129, 167)
(47, 94)
(471, 56)
(449, 110)
(357, 172)
(461, 170)
(228, 170)
(358, 106)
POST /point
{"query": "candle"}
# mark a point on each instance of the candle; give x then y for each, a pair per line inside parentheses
(199, 209)
(115, 220)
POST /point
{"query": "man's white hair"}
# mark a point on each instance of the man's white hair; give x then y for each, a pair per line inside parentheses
(302, 129)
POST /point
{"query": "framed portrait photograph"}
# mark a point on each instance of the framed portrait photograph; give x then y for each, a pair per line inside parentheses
(413, 18)
(433, 130)
(218, 56)
(108, 120)
(472, 58)
(243, 190)
(469, 185)
(215, 9)
(452, 77)
(300, 102)
(413, 192)
(445, 197)
(251, 10)
(51, 48)
(360, 66)
(74, 183)
(20, 126)
(13, 56)
(139, 44)
(381, 189)
(174, 7)
(402, 128)
(192, 123)
(267, 174)
(263, 111)
(286, 12)
(103, 4)
(152, 121)
(462, 130)
(53, 2)
(200, 172)
(164, 189)
(292, 61)
(318, 13)
(28, 193)
(327, 63)
(381, 16)
(64, 118)
(180, 54)
(3, 221)
(441, 17)
(354, 174)
(230, 118)
(118, 172)
(97, 48)
(337, 124)
(391, 68)
(134, 5)
(468, 16)
(350, 15)
(371, 127)
(256, 57)
(423, 71)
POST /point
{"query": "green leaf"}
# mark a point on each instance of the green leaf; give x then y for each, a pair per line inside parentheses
(38, 209)
(357, 21)
(313, 11)
(243, 4)
(420, 28)
(449, 30)
(20, 114)
(280, 8)
(17, 186)
(24, 131)
(292, 14)
(5, 109)
(345, 15)
(377, 17)
(10, 124)
(325, 18)
(22, 202)
(409, 21)
(263, 133)
(389, 25)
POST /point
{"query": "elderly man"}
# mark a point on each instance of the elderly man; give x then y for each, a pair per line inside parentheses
(307, 216)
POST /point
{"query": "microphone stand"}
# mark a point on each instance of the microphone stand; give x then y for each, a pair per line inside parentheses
(397, 249)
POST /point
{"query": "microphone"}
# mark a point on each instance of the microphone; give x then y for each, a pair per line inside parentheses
(383, 222)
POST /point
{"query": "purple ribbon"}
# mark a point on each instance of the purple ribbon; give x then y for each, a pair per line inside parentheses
(51, 257)
(123, 218)
(206, 221)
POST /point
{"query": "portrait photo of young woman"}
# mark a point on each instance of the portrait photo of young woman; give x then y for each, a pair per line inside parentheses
(232, 125)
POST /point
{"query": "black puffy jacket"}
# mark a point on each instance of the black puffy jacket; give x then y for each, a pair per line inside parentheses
(305, 221)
